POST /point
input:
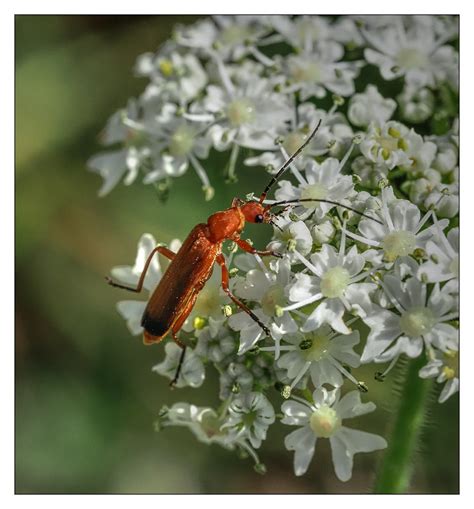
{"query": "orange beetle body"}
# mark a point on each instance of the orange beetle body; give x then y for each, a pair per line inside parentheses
(173, 299)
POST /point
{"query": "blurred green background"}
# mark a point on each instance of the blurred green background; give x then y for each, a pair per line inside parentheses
(85, 396)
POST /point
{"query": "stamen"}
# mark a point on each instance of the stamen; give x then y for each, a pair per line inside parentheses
(263, 267)
(199, 117)
(346, 157)
(359, 238)
(423, 221)
(380, 376)
(293, 168)
(342, 247)
(392, 299)
(303, 303)
(300, 375)
(443, 238)
(251, 451)
(232, 161)
(343, 370)
(386, 216)
(308, 264)
(263, 59)
(226, 81)
(200, 171)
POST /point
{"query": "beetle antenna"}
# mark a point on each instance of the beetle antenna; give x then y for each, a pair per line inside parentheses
(296, 202)
(287, 163)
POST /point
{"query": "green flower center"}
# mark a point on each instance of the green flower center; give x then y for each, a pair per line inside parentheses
(319, 347)
(241, 111)
(411, 58)
(182, 141)
(398, 243)
(313, 192)
(325, 421)
(305, 71)
(334, 282)
(417, 321)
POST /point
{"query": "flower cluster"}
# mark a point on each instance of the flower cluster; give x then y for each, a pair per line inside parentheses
(367, 276)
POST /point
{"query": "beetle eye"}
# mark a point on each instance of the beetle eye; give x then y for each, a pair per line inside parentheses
(259, 218)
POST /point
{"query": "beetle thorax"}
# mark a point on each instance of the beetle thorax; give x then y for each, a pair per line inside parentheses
(226, 224)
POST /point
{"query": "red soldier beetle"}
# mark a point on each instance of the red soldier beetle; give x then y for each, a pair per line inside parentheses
(173, 299)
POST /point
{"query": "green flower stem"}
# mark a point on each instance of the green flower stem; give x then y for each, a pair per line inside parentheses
(396, 469)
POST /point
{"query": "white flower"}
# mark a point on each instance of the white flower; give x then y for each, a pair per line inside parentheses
(335, 281)
(202, 421)
(416, 104)
(323, 419)
(444, 366)
(394, 145)
(132, 310)
(292, 235)
(320, 68)
(370, 173)
(112, 167)
(267, 287)
(401, 230)
(249, 113)
(443, 258)
(249, 416)
(303, 32)
(322, 181)
(322, 354)
(177, 76)
(419, 320)
(215, 342)
(334, 135)
(370, 106)
(411, 51)
(233, 37)
(192, 370)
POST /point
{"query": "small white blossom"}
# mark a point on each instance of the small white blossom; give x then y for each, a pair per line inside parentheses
(401, 230)
(445, 367)
(314, 72)
(249, 416)
(416, 104)
(370, 106)
(322, 182)
(215, 342)
(443, 258)
(336, 283)
(267, 287)
(419, 320)
(321, 354)
(411, 51)
(192, 370)
(323, 419)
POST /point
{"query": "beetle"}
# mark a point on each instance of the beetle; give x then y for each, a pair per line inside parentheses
(173, 299)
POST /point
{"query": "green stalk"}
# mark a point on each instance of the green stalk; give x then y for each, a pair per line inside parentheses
(396, 469)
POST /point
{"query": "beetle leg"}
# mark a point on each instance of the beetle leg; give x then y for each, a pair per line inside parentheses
(180, 362)
(174, 331)
(225, 286)
(160, 249)
(243, 244)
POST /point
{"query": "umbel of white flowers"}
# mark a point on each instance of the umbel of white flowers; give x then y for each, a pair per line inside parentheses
(348, 290)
